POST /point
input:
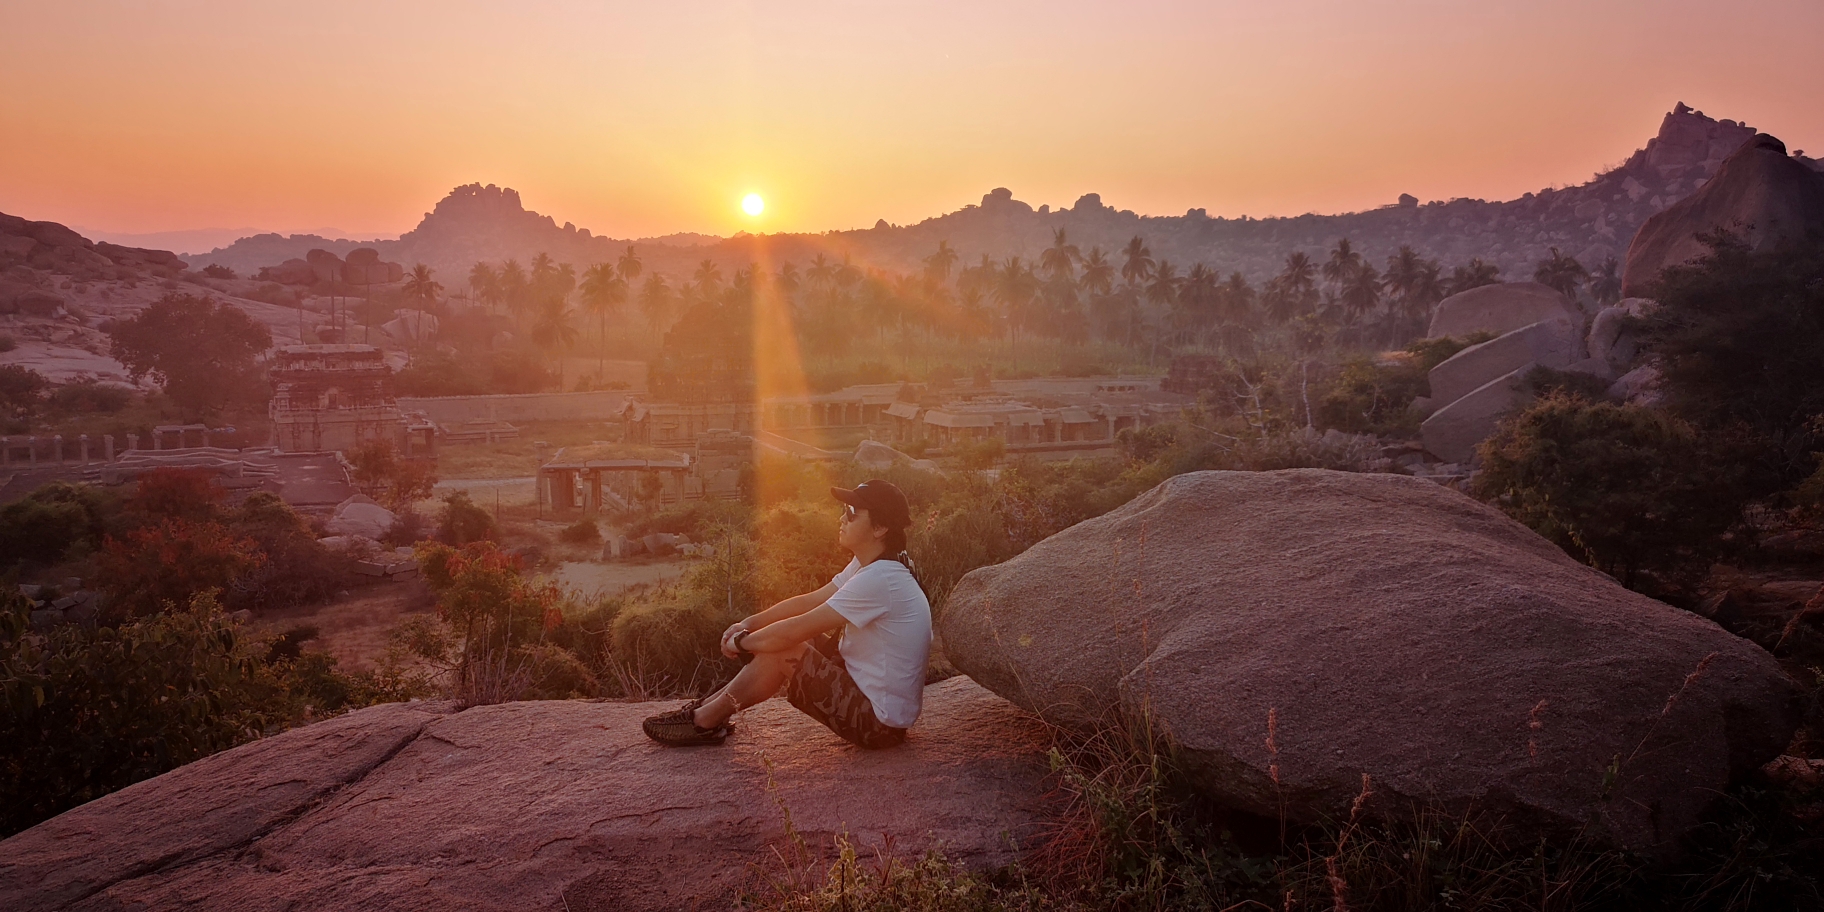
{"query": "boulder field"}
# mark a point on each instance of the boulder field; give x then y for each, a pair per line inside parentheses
(556, 805)
(1293, 632)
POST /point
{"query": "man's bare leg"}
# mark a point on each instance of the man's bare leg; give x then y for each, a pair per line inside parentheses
(757, 682)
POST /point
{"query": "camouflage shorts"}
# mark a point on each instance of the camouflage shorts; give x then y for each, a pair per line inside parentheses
(822, 688)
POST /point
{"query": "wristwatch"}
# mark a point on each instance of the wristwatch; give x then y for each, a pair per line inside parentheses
(736, 642)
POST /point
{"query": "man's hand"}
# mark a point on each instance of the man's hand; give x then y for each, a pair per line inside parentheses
(728, 638)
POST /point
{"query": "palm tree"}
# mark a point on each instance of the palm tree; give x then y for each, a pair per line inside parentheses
(822, 272)
(1294, 291)
(846, 274)
(628, 266)
(1198, 297)
(1238, 300)
(513, 285)
(485, 283)
(708, 277)
(1163, 290)
(1474, 274)
(1137, 262)
(1343, 262)
(1605, 284)
(655, 301)
(1098, 272)
(787, 280)
(554, 331)
(604, 291)
(1014, 288)
(938, 264)
(420, 286)
(1561, 272)
(1060, 259)
(1362, 292)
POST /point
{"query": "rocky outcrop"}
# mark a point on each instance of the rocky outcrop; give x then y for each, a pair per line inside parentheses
(548, 805)
(1554, 343)
(1454, 430)
(363, 266)
(1293, 632)
(56, 249)
(1613, 339)
(1500, 308)
(1761, 194)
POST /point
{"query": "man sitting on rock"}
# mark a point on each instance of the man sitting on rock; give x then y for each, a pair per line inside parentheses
(866, 686)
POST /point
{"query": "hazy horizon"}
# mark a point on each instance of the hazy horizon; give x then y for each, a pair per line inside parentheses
(645, 122)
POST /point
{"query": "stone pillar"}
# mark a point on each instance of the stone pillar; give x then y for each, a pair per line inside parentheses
(84, 439)
(32, 442)
(108, 448)
(6, 451)
(158, 440)
(57, 448)
(132, 442)
(205, 435)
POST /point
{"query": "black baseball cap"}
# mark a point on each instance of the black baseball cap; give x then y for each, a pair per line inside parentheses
(885, 503)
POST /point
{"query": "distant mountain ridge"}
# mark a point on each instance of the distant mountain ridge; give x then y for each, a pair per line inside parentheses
(1591, 221)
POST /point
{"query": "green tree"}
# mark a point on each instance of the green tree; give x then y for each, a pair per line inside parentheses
(1136, 262)
(21, 396)
(655, 302)
(1623, 488)
(484, 283)
(604, 292)
(1736, 338)
(1561, 272)
(421, 289)
(1605, 282)
(204, 353)
(939, 263)
(1060, 259)
(555, 333)
(1473, 274)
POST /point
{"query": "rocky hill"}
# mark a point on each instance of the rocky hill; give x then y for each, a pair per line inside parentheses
(57, 288)
(1592, 221)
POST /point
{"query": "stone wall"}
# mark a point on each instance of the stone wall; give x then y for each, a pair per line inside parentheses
(600, 405)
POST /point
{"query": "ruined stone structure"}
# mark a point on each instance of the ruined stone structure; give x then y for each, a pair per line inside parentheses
(337, 397)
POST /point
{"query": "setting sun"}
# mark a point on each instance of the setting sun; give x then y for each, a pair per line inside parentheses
(752, 204)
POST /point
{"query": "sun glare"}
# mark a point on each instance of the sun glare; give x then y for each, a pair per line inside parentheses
(752, 204)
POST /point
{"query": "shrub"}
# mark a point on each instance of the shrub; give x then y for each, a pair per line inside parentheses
(218, 271)
(21, 395)
(7, 344)
(462, 522)
(165, 562)
(396, 482)
(985, 453)
(1372, 398)
(295, 568)
(167, 493)
(1620, 487)
(89, 397)
(669, 643)
(494, 619)
(1736, 338)
(89, 711)
(50, 522)
(581, 532)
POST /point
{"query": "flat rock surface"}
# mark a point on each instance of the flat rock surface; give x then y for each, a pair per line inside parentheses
(1380, 626)
(541, 805)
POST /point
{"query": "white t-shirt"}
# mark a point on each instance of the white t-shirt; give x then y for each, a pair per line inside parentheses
(887, 639)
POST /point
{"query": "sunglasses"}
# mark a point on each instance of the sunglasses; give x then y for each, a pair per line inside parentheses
(849, 513)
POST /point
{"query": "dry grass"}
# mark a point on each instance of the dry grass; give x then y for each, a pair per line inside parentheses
(356, 630)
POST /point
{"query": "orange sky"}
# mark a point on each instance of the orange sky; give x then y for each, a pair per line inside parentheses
(649, 118)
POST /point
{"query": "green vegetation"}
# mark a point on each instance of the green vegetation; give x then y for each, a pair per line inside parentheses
(202, 352)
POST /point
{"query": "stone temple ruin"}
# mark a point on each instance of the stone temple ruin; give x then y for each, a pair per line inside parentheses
(338, 397)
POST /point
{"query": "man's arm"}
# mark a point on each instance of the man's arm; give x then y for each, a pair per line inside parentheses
(792, 631)
(789, 608)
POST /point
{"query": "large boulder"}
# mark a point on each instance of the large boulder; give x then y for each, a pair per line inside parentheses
(1500, 308)
(364, 267)
(1554, 343)
(359, 515)
(411, 326)
(539, 805)
(1612, 338)
(292, 272)
(1452, 432)
(1293, 632)
(325, 266)
(1761, 194)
